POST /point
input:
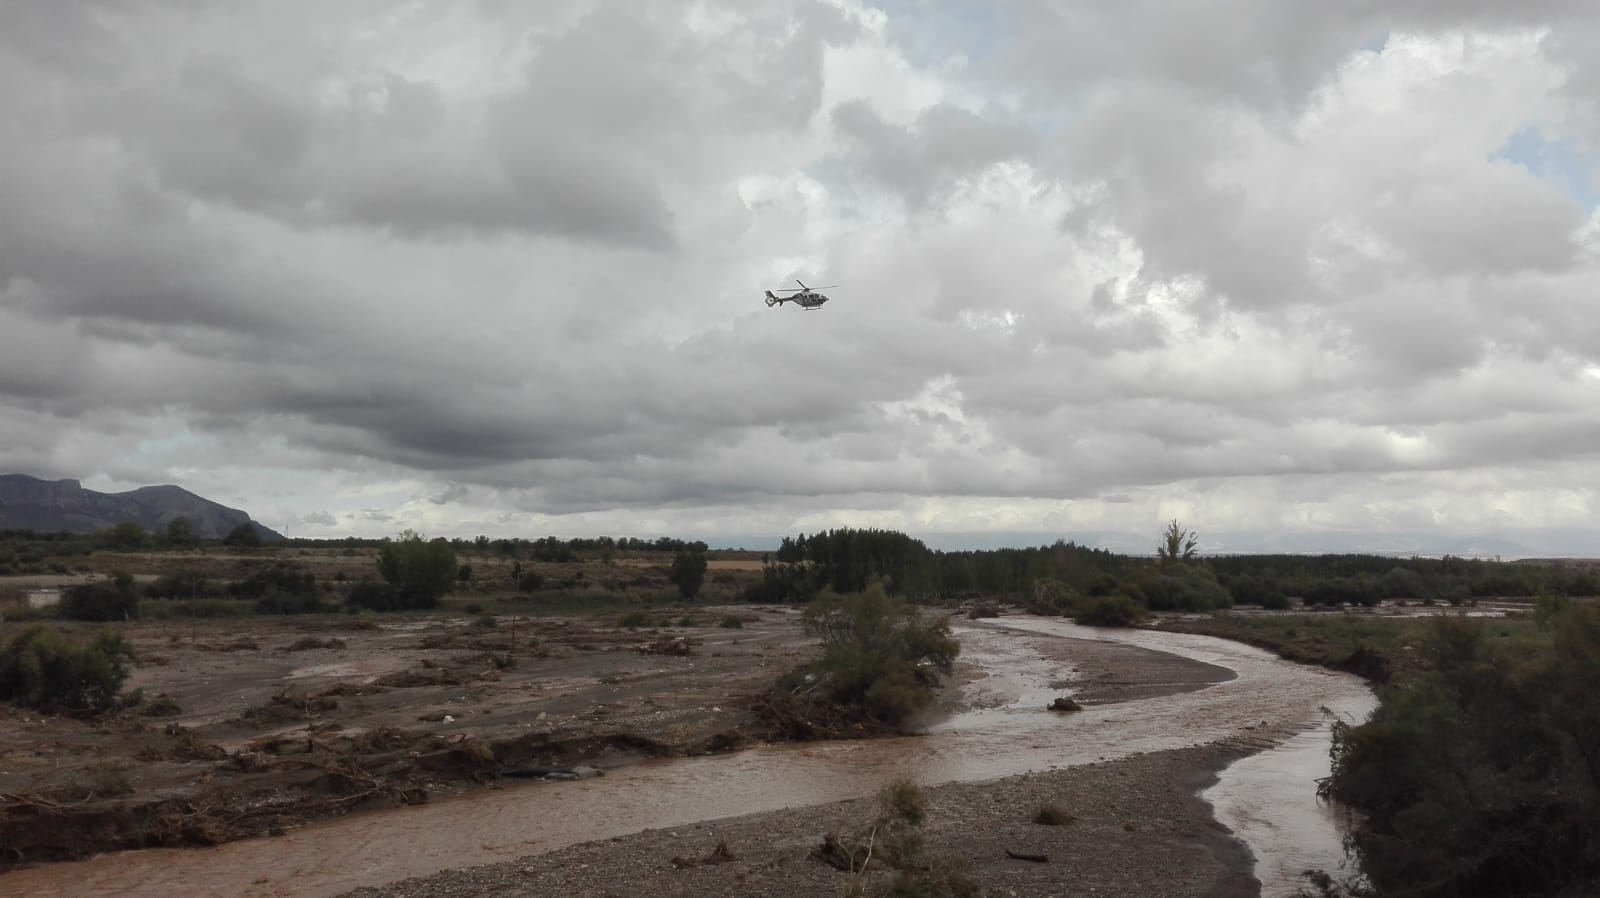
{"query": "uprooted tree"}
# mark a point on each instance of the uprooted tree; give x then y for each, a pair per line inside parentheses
(881, 660)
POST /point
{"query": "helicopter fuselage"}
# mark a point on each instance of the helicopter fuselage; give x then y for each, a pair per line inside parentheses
(805, 298)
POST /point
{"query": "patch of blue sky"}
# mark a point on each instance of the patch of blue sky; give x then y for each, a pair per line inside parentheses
(169, 444)
(1561, 161)
(932, 31)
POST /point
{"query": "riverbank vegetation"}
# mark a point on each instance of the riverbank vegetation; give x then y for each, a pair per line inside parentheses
(881, 661)
(1482, 775)
(1479, 774)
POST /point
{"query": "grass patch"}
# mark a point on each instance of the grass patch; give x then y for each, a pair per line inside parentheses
(1381, 649)
(633, 620)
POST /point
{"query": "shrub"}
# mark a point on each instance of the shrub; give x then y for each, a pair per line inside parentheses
(1052, 815)
(634, 620)
(419, 570)
(1481, 778)
(101, 601)
(1049, 597)
(244, 536)
(530, 581)
(879, 653)
(688, 572)
(1108, 611)
(41, 668)
(279, 577)
(894, 839)
(285, 603)
(731, 622)
(177, 585)
(372, 596)
(1182, 588)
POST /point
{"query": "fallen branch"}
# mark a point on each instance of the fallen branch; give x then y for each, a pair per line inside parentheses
(1036, 858)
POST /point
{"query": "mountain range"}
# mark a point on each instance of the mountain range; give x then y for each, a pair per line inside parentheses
(28, 503)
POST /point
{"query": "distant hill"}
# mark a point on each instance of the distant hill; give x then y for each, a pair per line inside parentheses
(28, 503)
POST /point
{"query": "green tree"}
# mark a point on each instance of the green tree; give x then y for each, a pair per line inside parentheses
(127, 535)
(245, 535)
(688, 571)
(180, 531)
(1177, 544)
(420, 570)
(116, 600)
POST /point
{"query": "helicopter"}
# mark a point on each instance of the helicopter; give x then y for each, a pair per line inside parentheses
(807, 297)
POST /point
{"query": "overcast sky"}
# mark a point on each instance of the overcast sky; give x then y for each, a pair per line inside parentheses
(1315, 275)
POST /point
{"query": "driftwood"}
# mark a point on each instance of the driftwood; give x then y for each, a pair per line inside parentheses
(1036, 858)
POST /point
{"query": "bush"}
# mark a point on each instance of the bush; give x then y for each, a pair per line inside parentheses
(1108, 611)
(43, 669)
(373, 596)
(419, 570)
(1182, 588)
(1052, 815)
(894, 839)
(1049, 597)
(531, 581)
(177, 585)
(731, 622)
(279, 577)
(634, 620)
(688, 572)
(1481, 777)
(285, 603)
(101, 601)
(244, 536)
(879, 654)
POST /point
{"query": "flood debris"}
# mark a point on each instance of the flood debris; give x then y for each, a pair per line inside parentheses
(579, 772)
(679, 646)
(718, 855)
(1024, 856)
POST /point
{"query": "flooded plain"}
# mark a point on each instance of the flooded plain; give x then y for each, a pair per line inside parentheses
(1254, 699)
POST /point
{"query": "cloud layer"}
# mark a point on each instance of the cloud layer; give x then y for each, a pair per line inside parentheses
(474, 266)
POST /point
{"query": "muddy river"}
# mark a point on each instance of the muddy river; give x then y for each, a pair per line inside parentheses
(1269, 799)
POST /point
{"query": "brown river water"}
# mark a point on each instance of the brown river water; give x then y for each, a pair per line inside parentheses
(1269, 803)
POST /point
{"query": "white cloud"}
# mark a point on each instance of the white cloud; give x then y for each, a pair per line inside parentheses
(479, 267)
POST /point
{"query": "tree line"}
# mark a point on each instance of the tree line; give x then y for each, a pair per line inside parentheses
(1176, 578)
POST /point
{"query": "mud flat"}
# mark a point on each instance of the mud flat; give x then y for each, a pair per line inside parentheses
(257, 726)
(1163, 712)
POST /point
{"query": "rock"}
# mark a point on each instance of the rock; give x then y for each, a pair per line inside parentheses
(1065, 704)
